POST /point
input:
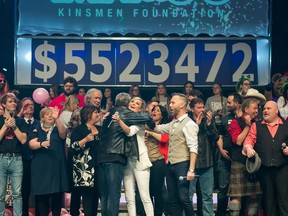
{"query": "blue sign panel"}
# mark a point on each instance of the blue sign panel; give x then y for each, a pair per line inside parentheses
(143, 62)
(194, 17)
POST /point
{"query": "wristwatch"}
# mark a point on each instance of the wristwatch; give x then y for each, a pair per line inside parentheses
(191, 170)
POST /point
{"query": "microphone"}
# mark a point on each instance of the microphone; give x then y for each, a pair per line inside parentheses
(283, 146)
(117, 113)
(11, 113)
(181, 178)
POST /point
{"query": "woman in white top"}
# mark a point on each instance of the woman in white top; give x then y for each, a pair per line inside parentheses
(283, 102)
(70, 105)
(137, 170)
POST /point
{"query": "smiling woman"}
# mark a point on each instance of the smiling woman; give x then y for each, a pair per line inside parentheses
(137, 171)
(48, 167)
(84, 144)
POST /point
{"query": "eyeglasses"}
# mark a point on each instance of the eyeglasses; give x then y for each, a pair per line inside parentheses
(2, 81)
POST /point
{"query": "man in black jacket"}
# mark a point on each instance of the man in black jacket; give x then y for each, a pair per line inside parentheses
(207, 136)
(114, 149)
(27, 113)
(224, 144)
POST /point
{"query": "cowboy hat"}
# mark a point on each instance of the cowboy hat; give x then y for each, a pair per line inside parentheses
(253, 93)
(253, 164)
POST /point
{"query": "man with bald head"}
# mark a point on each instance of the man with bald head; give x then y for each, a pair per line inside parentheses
(183, 149)
(269, 138)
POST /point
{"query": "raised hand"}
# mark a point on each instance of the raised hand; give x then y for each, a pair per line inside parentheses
(55, 112)
(209, 116)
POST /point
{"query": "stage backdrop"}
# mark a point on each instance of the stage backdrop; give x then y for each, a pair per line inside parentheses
(212, 17)
(51, 45)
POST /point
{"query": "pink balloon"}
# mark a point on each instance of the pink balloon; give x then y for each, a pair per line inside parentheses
(8, 212)
(40, 95)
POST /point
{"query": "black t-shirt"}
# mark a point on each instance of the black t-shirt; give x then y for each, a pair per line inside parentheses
(9, 142)
(223, 130)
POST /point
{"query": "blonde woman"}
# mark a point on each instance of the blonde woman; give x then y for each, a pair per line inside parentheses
(48, 167)
(161, 95)
(70, 105)
(137, 170)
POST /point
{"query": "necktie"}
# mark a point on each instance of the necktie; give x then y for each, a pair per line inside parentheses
(29, 122)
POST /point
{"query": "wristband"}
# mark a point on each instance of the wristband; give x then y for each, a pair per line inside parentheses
(191, 170)
(14, 127)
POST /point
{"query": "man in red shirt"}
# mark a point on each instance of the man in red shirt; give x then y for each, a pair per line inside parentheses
(239, 186)
(70, 85)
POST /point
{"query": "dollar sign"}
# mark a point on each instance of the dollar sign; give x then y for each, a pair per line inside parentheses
(49, 65)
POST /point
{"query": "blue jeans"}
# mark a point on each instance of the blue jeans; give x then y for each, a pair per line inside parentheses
(178, 190)
(13, 167)
(224, 167)
(206, 180)
(110, 178)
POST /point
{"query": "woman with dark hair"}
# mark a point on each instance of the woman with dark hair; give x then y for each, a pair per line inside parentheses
(157, 145)
(107, 100)
(188, 87)
(54, 91)
(82, 91)
(84, 140)
(134, 91)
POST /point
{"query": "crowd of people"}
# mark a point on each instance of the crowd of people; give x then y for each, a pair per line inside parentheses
(163, 151)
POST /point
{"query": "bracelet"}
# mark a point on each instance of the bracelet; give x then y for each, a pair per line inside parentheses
(14, 127)
(41, 145)
(191, 170)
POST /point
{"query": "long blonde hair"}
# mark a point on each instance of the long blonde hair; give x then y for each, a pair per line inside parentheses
(71, 100)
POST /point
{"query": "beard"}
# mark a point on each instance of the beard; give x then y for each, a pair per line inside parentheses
(175, 112)
(232, 109)
(68, 93)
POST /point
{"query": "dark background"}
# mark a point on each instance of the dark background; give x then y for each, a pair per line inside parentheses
(279, 39)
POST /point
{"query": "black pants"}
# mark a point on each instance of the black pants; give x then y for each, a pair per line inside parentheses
(26, 186)
(157, 176)
(75, 202)
(43, 204)
(275, 190)
(90, 200)
(75, 196)
(178, 190)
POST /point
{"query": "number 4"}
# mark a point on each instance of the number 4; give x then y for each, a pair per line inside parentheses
(190, 69)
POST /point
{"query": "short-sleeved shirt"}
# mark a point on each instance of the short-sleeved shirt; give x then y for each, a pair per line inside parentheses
(9, 142)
